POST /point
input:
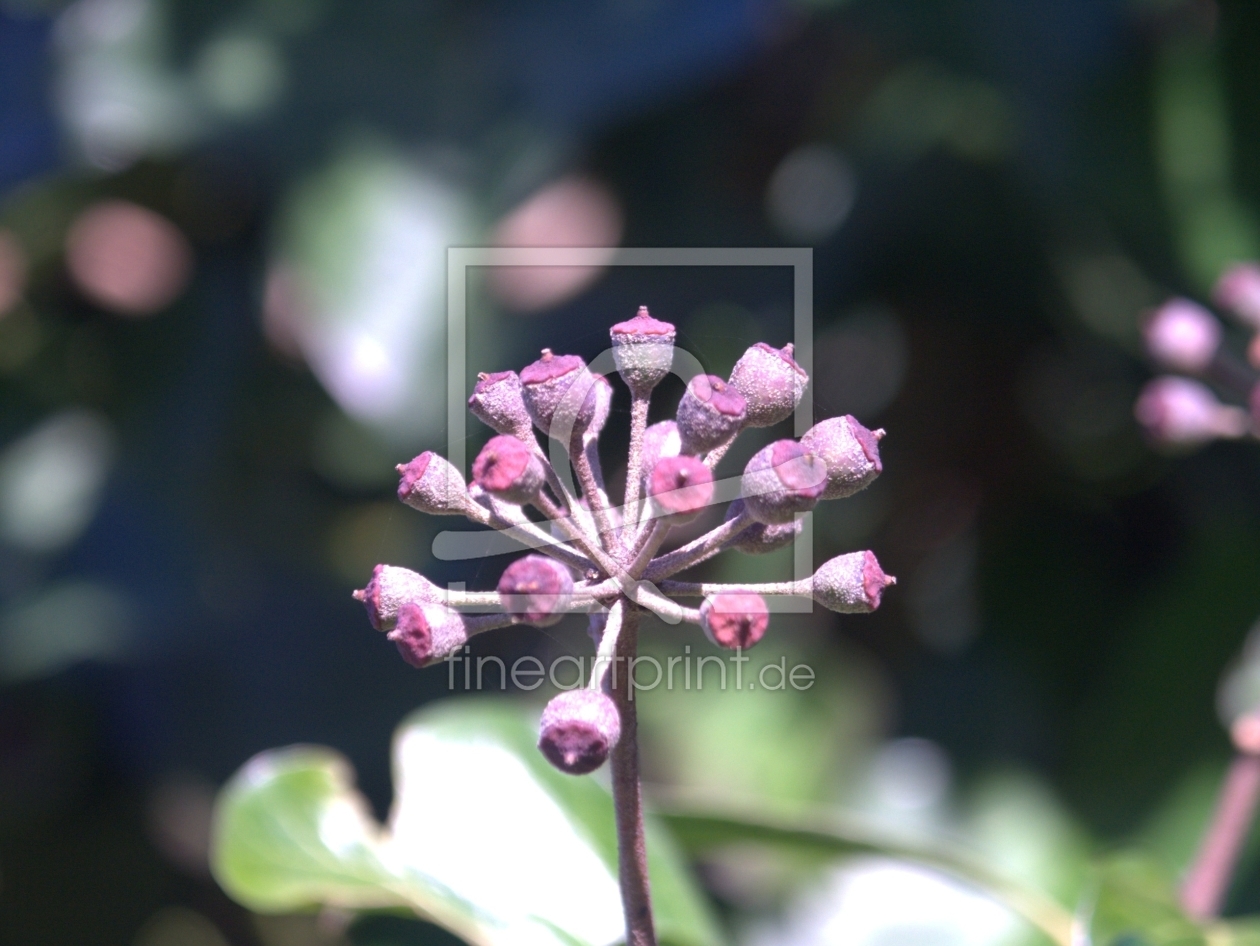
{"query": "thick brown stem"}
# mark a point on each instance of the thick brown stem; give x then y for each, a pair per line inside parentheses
(636, 896)
(1207, 883)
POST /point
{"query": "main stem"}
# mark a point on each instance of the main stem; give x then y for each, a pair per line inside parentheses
(636, 897)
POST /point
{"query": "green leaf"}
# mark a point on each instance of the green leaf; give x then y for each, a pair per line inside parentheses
(485, 838)
(701, 829)
(1134, 903)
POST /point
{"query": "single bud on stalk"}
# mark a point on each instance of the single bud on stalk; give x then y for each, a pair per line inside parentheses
(536, 590)
(392, 587)
(680, 488)
(734, 620)
(660, 440)
(427, 633)
(497, 402)
(850, 584)
(771, 381)
(1181, 412)
(578, 729)
(508, 469)
(1238, 290)
(781, 480)
(545, 388)
(1182, 336)
(759, 538)
(850, 451)
(643, 350)
(430, 484)
(710, 413)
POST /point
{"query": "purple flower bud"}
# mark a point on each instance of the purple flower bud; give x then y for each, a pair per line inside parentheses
(432, 485)
(851, 584)
(734, 619)
(660, 440)
(427, 633)
(509, 469)
(771, 381)
(1178, 411)
(710, 413)
(536, 590)
(680, 488)
(850, 451)
(781, 480)
(392, 587)
(545, 387)
(497, 402)
(1182, 336)
(578, 730)
(1238, 290)
(759, 538)
(643, 350)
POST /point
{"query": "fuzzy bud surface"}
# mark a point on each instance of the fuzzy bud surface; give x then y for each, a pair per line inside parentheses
(497, 402)
(771, 381)
(578, 729)
(390, 588)
(710, 413)
(781, 480)
(759, 538)
(850, 451)
(430, 484)
(551, 387)
(680, 488)
(851, 584)
(643, 350)
(536, 590)
(734, 620)
(509, 469)
(427, 633)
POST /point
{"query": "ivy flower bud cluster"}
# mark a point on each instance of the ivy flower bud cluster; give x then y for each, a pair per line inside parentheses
(593, 557)
(1183, 408)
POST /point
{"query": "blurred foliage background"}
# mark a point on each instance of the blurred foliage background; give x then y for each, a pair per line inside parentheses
(222, 321)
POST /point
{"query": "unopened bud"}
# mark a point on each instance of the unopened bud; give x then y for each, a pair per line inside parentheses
(771, 381)
(850, 451)
(710, 413)
(578, 729)
(643, 349)
(508, 469)
(660, 440)
(546, 388)
(426, 633)
(1182, 336)
(680, 488)
(536, 590)
(734, 620)
(392, 587)
(431, 484)
(1181, 412)
(781, 480)
(758, 538)
(1238, 290)
(851, 584)
(498, 403)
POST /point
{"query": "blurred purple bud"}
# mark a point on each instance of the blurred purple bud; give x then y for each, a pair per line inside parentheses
(735, 620)
(1181, 412)
(536, 590)
(578, 729)
(1182, 336)
(1238, 290)
(497, 402)
(759, 538)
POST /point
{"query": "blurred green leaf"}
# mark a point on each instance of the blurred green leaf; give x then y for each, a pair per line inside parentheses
(485, 838)
(700, 830)
(1135, 904)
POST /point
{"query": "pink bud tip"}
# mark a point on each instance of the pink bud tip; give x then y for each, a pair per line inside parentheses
(550, 366)
(734, 620)
(536, 590)
(710, 413)
(712, 390)
(643, 324)
(506, 467)
(1178, 411)
(1238, 290)
(681, 486)
(578, 730)
(852, 583)
(1182, 336)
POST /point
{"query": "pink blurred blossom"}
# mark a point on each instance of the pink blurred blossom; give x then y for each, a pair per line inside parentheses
(1179, 411)
(1182, 336)
(1238, 290)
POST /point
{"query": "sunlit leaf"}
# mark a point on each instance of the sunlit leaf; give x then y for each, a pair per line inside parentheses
(1134, 903)
(485, 838)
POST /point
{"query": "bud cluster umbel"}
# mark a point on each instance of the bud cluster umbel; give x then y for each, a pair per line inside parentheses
(596, 558)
